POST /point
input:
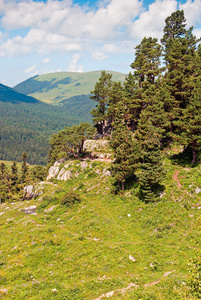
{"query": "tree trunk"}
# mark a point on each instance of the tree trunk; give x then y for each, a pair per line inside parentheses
(194, 156)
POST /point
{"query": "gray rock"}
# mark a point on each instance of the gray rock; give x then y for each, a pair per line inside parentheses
(83, 165)
(31, 210)
(197, 190)
(53, 171)
(29, 192)
(64, 175)
(107, 173)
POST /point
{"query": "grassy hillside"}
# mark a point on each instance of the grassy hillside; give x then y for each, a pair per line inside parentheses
(57, 87)
(105, 245)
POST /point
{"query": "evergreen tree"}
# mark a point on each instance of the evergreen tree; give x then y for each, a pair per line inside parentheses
(14, 177)
(147, 61)
(125, 150)
(152, 170)
(191, 123)
(24, 168)
(101, 96)
(70, 141)
(132, 102)
(115, 97)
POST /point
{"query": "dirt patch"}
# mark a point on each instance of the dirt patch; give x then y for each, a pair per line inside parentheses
(175, 178)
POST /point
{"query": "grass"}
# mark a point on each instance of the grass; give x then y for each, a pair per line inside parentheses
(9, 164)
(82, 251)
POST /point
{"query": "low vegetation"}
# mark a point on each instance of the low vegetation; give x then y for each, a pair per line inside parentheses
(84, 241)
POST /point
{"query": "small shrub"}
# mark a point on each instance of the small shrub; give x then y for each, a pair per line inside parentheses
(70, 198)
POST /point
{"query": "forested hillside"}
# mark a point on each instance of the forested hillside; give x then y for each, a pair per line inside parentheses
(26, 124)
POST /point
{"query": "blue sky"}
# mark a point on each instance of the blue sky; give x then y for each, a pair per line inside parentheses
(38, 37)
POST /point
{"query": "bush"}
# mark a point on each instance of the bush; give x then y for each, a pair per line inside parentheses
(70, 198)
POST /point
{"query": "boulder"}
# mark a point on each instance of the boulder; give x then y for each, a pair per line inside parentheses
(64, 174)
(29, 192)
(31, 210)
(53, 171)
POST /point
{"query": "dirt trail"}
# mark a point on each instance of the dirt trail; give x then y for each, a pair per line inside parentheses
(175, 178)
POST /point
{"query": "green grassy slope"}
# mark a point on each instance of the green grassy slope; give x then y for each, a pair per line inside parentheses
(82, 252)
(55, 87)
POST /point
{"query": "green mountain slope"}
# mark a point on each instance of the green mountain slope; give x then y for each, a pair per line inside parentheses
(26, 124)
(57, 87)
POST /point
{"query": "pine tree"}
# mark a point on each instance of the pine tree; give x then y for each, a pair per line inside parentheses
(115, 97)
(24, 168)
(125, 150)
(132, 102)
(14, 177)
(191, 123)
(101, 96)
(152, 170)
(147, 61)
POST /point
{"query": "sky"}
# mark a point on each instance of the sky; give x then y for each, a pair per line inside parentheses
(43, 36)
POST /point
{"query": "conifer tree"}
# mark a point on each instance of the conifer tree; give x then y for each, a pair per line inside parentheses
(132, 103)
(100, 94)
(24, 168)
(115, 97)
(14, 177)
(125, 150)
(152, 170)
(147, 61)
(191, 123)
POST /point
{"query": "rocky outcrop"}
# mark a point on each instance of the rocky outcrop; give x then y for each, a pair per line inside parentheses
(73, 168)
(32, 191)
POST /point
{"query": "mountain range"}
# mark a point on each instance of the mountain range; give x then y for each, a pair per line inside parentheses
(38, 107)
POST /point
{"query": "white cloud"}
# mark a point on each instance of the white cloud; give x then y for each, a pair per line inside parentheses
(46, 60)
(152, 22)
(30, 69)
(73, 66)
(192, 11)
(99, 55)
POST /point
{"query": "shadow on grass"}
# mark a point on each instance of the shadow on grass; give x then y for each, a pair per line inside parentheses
(185, 158)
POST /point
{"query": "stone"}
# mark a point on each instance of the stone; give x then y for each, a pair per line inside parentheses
(31, 210)
(83, 165)
(53, 171)
(64, 175)
(29, 192)
(107, 173)
(197, 190)
(3, 291)
(132, 258)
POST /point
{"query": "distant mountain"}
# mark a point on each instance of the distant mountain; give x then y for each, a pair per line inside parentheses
(26, 124)
(7, 94)
(57, 88)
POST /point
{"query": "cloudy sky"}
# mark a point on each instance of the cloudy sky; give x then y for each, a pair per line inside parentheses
(38, 37)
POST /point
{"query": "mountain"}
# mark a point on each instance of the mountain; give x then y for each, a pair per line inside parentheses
(7, 94)
(57, 88)
(26, 124)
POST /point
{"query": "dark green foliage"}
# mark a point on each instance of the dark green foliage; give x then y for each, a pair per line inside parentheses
(70, 198)
(39, 173)
(70, 141)
(147, 61)
(125, 149)
(152, 171)
(100, 94)
(9, 95)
